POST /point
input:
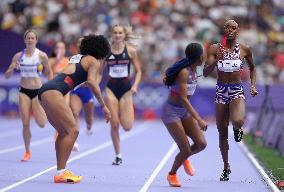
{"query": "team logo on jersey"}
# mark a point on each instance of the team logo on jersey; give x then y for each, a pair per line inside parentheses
(111, 57)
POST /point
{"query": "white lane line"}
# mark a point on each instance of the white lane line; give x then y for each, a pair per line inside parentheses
(84, 154)
(258, 167)
(10, 133)
(35, 143)
(158, 168)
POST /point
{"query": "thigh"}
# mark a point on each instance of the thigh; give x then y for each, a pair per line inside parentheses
(25, 105)
(38, 112)
(193, 130)
(113, 105)
(75, 104)
(126, 110)
(177, 132)
(237, 109)
(58, 112)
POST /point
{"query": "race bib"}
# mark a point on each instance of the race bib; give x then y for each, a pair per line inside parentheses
(118, 71)
(229, 65)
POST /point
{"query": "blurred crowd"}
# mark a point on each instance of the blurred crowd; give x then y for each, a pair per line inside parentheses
(165, 27)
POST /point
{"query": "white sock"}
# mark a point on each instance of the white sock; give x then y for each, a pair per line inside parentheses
(119, 156)
(60, 171)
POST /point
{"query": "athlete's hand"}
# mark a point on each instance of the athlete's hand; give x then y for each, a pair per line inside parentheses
(107, 114)
(203, 124)
(17, 66)
(134, 90)
(220, 53)
(253, 91)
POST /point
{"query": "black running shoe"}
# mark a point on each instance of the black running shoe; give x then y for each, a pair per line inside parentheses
(238, 134)
(117, 161)
(225, 175)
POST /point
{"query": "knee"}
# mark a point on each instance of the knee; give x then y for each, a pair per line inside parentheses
(114, 125)
(238, 123)
(127, 127)
(74, 132)
(41, 124)
(186, 152)
(26, 125)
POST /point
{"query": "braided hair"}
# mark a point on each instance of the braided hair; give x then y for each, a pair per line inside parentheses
(193, 52)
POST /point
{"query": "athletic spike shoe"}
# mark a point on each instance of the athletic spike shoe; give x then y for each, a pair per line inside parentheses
(67, 177)
(26, 157)
(188, 167)
(173, 180)
(238, 134)
(225, 175)
(117, 161)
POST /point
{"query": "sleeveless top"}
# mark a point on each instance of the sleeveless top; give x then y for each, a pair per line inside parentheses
(119, 64)
(191, 84)
(30, 66)
(232, 61)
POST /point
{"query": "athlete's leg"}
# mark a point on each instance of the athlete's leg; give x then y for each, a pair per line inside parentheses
(61, 117)
(177, 132)
(25, 109)
(113, 105)
(89, 114)
(193, 131)
(39, 113)
(126, 111)
(222, 120)
(237, 115)
(76, 106)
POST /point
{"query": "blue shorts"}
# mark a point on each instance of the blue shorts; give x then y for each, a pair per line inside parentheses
(173, 113)
(225, 93)
(84, 93)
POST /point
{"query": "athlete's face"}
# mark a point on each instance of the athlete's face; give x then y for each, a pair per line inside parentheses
(30, 39)
(118, 34)
(60, 48)
(231, 30)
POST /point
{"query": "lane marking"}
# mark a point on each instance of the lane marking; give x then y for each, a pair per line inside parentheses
(159, 167)
(252, 159)
(35, 143)
(124, 136)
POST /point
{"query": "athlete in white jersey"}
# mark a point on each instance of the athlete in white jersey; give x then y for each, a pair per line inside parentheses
(31, 62)
(230, 101)
(179, 116)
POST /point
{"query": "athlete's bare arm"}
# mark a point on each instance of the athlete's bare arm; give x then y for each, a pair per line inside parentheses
(137, 67)
(93, 84)
(47, 68)
(249, 59)
(182, 80)
(14, 64)
(211, 59)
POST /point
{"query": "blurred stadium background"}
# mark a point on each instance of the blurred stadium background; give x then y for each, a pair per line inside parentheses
(166, 26)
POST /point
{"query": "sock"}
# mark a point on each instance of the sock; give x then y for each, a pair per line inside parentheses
(119, 156)
(60, 171)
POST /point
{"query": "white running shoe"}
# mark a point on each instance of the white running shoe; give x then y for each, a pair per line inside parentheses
(75, 146)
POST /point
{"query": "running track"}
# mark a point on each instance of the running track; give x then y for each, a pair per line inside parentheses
(148, 153)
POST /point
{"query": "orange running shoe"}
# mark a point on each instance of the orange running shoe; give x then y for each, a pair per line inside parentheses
(173, 180)
(26, 157)
(188, 167)
(67, 177)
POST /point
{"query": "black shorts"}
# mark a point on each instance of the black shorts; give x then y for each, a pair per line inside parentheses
(55, 84)
(31, 93)
(119, 86)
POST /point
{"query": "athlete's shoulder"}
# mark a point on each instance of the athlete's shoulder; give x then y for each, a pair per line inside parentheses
(245, 47)
(42, 54)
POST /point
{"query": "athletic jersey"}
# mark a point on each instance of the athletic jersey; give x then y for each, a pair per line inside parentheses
(57, 68)
(232, 61)
(118, 64)
(29, 66)
(191, 84)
